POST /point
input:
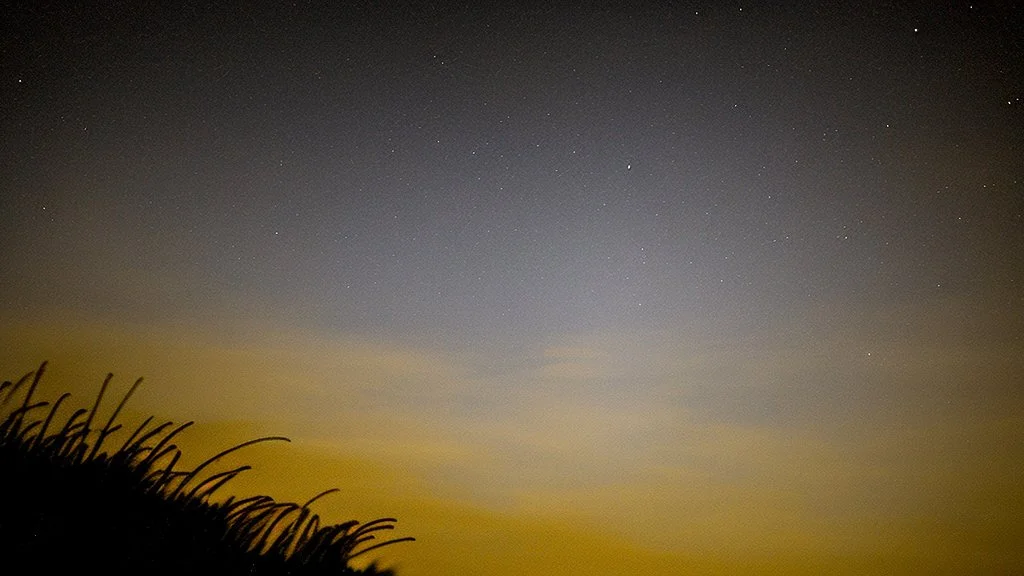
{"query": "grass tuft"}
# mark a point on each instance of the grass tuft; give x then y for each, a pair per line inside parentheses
(67, 504)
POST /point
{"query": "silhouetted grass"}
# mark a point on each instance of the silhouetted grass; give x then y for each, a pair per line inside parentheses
(67, 504)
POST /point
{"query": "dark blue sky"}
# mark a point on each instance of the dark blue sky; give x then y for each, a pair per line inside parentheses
(520, 170)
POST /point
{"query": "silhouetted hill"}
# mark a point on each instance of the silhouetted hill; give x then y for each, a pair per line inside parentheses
(67, 504)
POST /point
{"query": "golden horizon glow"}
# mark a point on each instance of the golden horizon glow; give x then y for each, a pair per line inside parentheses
(549, 482)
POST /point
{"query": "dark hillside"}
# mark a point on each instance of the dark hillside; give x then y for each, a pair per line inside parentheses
(68, 503)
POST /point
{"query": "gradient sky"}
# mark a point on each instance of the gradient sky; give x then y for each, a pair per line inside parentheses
(706, 288)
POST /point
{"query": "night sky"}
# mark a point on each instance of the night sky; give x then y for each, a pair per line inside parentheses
(715, 287)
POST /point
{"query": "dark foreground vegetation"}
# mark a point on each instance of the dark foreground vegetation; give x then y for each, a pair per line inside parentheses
(68, 505)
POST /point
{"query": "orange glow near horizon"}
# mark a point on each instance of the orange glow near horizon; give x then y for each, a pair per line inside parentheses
(637, 488)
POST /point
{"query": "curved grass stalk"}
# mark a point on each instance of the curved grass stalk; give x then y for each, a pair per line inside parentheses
(131, 443)
(380, 545)
(49, 419)
(107, 429)
(17, 385)
(92, 414)
(14, 423)
(157, 452)
(15, 429)
(261, 541)
(214, 482)
(220, 455)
